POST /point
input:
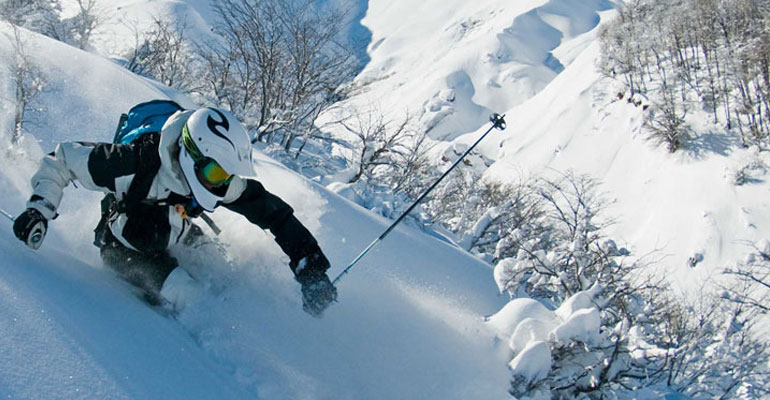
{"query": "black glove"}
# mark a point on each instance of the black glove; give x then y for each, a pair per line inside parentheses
(310, 271)
(310, 258)
(30, 227)
(317, 292)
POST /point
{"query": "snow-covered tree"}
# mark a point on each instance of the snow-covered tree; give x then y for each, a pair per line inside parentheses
(41, 16)
(569, 254)
(375, 141)
(614, 327)
(753, 288)
(28, 82)
(82, 25)
(278, 66)
(165, 54)
(704, 350)
(683, 54)
(666, 120)
(489, 218)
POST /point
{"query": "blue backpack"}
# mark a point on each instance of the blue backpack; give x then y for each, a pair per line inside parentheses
(140, 127)
(142, 118)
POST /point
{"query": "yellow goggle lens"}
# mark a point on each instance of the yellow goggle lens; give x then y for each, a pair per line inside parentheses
(215, 174)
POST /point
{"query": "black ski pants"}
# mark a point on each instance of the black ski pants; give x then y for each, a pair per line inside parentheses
(145, 271)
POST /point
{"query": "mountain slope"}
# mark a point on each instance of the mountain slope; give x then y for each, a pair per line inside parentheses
(678, 206)
(408, 323)
(73, 331)
(536, 62)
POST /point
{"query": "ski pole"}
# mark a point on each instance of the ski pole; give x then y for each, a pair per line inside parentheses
(211, 224)
(498, 122)
(35, 238)
(9, 216)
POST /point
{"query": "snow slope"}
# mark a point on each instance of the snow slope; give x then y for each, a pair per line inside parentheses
(451, 64)
(71, 330)
(678, 206)
(408, 323)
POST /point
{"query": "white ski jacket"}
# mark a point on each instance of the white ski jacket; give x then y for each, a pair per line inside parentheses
(111, 168)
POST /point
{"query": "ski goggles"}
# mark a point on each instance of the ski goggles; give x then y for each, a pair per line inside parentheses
(206, 168)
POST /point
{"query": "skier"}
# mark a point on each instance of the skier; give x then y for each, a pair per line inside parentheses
(198, 161)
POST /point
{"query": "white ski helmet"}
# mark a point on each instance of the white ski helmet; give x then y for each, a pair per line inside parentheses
(214, 147)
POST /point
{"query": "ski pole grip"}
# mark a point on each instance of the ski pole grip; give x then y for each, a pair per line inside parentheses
(498, 121)
(36, 236)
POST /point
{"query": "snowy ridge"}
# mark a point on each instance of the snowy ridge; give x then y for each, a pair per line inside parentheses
(530, 47)
(487, 56)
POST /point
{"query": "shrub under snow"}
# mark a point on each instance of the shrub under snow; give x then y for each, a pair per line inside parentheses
(584, 325)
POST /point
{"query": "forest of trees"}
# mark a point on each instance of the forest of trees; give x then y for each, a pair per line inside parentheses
(687, 54)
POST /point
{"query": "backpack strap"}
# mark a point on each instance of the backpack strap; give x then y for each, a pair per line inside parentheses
(148, 165)
(146, 148)
(121, 125)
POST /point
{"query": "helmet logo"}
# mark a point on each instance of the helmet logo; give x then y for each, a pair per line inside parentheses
(224, 123)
